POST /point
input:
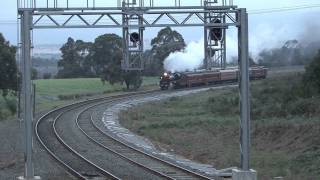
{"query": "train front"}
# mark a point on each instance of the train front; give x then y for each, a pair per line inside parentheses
(165, 81)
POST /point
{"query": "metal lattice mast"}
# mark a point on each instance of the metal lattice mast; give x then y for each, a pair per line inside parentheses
(133, 44)
(215, 47)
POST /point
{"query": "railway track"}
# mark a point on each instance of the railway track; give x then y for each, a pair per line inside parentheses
(71, 137)
(158, 166)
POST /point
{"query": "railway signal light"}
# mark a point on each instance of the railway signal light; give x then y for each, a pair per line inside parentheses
(134, 37)
(216, 32)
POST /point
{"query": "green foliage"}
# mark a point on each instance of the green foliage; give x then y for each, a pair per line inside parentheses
(218, 105)
(133, 79)
(291, 53)
(307, 162)
(8, 106)
(34, 74)
(105, 57)
(8, 68)
(47, 76)
(280, 97)
(166, 42)
(311, 78)
(74, 59)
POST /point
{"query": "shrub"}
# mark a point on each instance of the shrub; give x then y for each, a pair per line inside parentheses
(47, 76)
(223, 105)
(4, 113)
(311, 79)
(11, 105)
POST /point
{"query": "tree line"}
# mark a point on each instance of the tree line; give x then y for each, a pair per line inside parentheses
(291, 53)
(102, 58)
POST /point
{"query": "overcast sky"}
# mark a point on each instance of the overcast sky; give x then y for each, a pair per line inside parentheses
(266, 30)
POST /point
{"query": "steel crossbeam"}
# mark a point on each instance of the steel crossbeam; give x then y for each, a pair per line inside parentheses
(104, 19)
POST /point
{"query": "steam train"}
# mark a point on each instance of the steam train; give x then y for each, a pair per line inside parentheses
(198, 78)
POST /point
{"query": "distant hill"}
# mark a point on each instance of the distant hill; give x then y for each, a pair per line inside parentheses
(47, 51)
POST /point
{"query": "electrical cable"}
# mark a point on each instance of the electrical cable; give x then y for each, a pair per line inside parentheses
(250, 12)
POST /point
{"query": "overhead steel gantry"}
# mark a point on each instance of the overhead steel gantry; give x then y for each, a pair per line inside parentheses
(133, 17)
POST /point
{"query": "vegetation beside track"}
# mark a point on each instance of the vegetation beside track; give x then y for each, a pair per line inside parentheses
(7, 106)
(54, 92)
(205, 127)
(51, 93)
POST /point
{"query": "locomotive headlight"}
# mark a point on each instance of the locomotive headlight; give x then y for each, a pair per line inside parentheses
(165, 74)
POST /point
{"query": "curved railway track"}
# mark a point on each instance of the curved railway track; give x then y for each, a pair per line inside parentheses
(71, 137)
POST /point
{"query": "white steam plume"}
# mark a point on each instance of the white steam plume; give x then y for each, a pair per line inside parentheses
(189, 59)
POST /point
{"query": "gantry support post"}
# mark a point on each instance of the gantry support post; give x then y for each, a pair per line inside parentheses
(125, 39)
(245, 173)
(244, 90)
(224, 48)
(205, 40)
(26, 26)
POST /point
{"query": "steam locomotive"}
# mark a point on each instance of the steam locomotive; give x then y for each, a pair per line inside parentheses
(198, 78)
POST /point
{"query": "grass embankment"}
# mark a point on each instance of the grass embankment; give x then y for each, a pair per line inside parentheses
(7, 106)
(55, 92)
(51, 93)
(205, 127)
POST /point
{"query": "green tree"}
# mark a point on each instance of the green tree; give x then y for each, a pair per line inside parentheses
(34, 74)
(105, 57)
(166, 42)
(8, 68)
(73, 62)
(311, 78)
(133, 79)
(291, 53)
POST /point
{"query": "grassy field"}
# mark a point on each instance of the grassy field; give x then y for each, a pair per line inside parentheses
(205, 127)
(55, 92)
(51, 93)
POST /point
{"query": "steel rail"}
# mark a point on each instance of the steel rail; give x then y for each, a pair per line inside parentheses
(103, 171)
(133, 148)
(109, 149)
(154, 157)
(107, 99)
(71, 170)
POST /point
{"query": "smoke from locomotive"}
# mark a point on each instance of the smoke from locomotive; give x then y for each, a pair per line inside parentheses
(188, 60)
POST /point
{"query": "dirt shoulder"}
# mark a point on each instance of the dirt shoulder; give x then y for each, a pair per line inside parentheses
(12, 155)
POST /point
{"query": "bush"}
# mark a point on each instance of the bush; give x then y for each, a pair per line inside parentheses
(280, 97)
(11, 105)
(4, 113)
(311, 79)
(47, 76)
(223, 105)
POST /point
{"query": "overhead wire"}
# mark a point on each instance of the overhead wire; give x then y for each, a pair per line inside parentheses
(250, 12)
(283, 9)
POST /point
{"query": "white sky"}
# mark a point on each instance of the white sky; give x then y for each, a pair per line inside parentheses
(266, 30)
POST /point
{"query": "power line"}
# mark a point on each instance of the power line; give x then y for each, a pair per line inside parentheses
(252, 12)
(283, 9)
